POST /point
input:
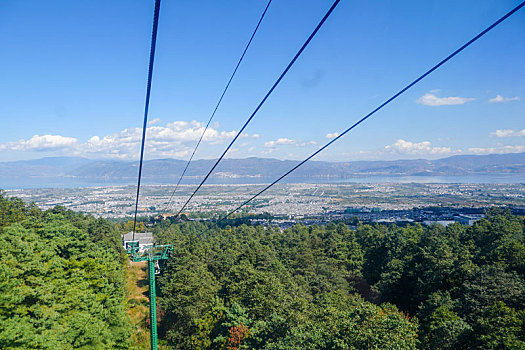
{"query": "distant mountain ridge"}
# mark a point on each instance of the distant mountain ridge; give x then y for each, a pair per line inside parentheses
(168, 170)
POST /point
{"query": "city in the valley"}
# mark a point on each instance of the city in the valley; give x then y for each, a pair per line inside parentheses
(291, 203)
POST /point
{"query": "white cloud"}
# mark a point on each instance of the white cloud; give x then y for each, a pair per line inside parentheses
(281, 141)
(499, 149)
(440, 150)
(332, 135)
(256, 136)
(508, 133)
(306, 143)
(40, 143)
(175, 139)
(155, 121)
(286, 141)
(433, 100)
(424, 147)
(500, 99)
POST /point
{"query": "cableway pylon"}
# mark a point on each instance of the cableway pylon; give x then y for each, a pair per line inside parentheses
(152, 254)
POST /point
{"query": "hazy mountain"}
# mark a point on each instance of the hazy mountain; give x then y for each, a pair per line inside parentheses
(257, 169)
(49, 166)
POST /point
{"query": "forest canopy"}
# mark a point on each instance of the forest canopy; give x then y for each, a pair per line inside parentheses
(61, 280)
(238, 286)
(330, 287)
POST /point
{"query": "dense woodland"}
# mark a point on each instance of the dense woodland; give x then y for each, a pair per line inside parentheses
(378, 287)
(61, 280)
(249, 287)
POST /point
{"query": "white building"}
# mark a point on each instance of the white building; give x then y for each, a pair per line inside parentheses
(144, 238)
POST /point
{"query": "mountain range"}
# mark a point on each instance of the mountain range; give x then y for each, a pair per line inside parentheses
(255, 169)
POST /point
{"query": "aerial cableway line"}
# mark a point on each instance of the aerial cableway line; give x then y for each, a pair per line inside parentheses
(218, 103)
(323, 20)
(421, 77)
(150, 253)
(146, 105)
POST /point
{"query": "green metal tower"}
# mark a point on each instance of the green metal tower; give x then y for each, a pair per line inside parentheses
(151, 254)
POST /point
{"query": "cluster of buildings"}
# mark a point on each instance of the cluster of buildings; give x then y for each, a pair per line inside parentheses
(425, 216)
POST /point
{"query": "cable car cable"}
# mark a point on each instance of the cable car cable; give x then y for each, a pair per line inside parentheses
(146, 106)
(218, 104)
(263, 101)
(382, 105)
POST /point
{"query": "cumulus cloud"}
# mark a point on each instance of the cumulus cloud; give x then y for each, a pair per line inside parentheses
(286, 141)
(498, 149)
(155, 121)
(433, 100)
(40, 143)
(501, 99)
(508, 133)
(281, 141)
(332, 135)
(424, 147)
(175, 139)
(306, 143)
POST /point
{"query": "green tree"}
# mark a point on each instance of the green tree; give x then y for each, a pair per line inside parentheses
(349, 323)
(500, 327)
(59, 289)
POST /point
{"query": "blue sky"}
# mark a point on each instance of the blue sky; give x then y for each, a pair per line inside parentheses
(73, 79)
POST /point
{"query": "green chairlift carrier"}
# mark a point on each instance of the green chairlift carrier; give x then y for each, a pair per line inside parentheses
(152, 254)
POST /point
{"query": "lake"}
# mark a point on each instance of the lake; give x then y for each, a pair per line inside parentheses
(70, 182)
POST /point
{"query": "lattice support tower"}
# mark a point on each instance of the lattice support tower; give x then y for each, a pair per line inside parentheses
(151, 254)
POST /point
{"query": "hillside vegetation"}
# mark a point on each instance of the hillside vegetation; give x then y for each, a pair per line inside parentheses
(62, 285)
(61, 280)
(378, 287)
